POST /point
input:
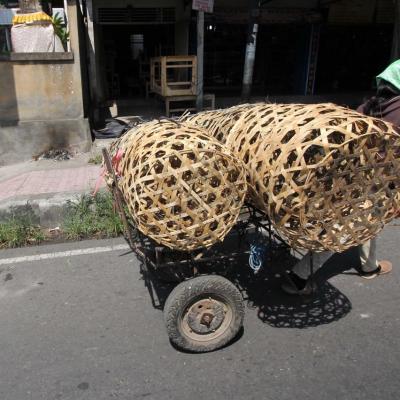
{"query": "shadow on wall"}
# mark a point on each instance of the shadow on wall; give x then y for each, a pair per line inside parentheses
(9, 115)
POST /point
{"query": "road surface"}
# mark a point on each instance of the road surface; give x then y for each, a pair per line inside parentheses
(81, 325)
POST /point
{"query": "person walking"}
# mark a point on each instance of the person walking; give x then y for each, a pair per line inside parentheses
(385, 105)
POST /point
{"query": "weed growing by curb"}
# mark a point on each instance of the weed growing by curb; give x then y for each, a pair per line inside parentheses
(97, 160)
(19, 231)
(92, 216)
(86, 217)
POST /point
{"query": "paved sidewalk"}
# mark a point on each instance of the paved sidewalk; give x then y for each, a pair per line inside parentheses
(28, 185)
(46, 185)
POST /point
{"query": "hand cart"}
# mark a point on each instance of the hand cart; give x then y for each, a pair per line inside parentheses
(205, 310)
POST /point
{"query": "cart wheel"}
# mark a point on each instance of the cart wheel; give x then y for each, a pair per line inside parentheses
(203, 313)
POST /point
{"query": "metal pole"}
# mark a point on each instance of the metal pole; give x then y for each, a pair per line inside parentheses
(395, 54)
(95, 83)
(312, 278)
(250, 52)
(118, 198)
(8, 40)
(312, 59)
(200, 58)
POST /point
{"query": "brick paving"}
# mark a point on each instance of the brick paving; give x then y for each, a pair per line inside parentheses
(48, 181)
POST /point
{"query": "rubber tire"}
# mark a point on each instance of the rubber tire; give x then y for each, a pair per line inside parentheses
(185, 293)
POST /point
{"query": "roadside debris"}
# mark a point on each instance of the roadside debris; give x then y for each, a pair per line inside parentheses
(116, 127)
(56, 155)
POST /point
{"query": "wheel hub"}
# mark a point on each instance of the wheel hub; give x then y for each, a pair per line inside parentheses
(206, 316)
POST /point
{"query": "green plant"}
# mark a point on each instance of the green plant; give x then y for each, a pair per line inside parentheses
(98, 159)
(92, 216)
(19, 231)
(60, 30)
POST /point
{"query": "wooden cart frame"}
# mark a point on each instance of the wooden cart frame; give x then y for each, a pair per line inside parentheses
(205, 310)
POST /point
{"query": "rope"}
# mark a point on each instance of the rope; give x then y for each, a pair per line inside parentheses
(256, 257)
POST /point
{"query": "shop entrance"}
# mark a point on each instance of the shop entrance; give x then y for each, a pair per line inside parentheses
(127, 50)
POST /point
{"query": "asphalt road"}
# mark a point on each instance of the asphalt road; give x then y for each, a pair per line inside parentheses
(83, 327)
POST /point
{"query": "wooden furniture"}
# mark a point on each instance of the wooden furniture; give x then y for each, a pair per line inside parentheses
(173, 75)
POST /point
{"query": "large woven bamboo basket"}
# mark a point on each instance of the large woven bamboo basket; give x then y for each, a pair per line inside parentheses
(218, 123)
(183, 188)
(113, 149)
(328, 177)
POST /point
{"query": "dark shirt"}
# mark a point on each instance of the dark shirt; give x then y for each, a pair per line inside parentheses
(390, 111)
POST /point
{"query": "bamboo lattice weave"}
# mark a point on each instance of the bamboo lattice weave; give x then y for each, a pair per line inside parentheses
(328, 177)
(218, 123)
(183, 188)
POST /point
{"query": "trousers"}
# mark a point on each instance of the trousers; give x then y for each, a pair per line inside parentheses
(367, 253)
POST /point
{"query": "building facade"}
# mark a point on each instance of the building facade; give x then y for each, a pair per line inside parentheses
(304, 47)
(42, 99)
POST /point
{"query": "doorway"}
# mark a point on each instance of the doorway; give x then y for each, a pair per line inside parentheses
(127, 50)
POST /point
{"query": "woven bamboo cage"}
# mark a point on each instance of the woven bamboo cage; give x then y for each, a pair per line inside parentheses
(115, 146)
(218, 123)
(327, 177)
(183, 188)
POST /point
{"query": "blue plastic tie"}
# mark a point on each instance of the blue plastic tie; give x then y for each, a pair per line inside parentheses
(256, 257)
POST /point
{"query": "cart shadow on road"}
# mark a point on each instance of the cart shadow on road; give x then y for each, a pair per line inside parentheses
(279, 310)
(275, 308)
(262, 291)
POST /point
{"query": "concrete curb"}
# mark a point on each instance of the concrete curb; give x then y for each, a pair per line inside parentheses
(47, 210)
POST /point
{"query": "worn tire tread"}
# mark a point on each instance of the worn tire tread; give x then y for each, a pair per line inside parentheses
(181, 296)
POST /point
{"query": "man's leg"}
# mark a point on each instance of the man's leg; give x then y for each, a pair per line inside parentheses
(370, 266)
(368, 260)
(299, 282)
(302, 268)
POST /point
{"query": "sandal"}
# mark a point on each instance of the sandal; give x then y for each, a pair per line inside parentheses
(384, 268)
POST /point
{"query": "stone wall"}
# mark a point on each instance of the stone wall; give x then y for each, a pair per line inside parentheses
(41, 101)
